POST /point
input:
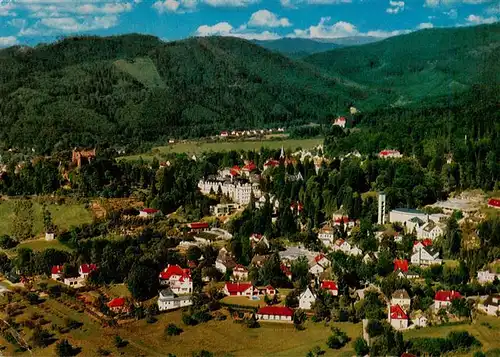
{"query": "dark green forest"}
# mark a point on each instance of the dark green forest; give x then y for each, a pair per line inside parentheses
(125, 91)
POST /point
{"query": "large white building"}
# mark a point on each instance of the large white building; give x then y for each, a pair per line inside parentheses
(238, 191)
(307, 299)
(168, 301)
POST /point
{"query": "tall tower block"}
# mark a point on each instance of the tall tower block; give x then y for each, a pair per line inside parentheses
(381, 208)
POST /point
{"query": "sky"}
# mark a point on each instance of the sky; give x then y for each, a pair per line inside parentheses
(29, 22)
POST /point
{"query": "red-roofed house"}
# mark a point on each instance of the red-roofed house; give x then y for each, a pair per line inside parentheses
(340, 121)
(443, 298)
(344, 220)
(341, 245)
(401, 264)
(224, 134)
(198, 226)
(398, 317)
(178, 279)
(494, 202)
(267, 290)
(118, 305)
(286, 270)
(275, 313)
(256, 239)
(86, 269)
(235, 170)
(330, 286)
(326, 235)
(422, 244)
(57, 272)
(149, 212)
(385, 154)
(249, 167)
(297, 207)
(322, 259)
(240, 272)
(240, 289)
(319, 265)
(271, 163)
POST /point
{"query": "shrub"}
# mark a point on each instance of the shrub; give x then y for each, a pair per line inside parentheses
(64, 349)
(338, 339)
(173, 330)
(120, 342)
(361, 347)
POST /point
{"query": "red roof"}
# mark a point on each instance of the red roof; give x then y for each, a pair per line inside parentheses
(447, 295)
(495, 202)
(250, 166)
(117, 302)
(398, 313)
(329, 285)
(198, 225)
(340, 119)
(87, 268)
(238, 287)
(224, 133)
(276, 311)
(235, 170)
(272, 163)
(426, 242)
(240, 268)
(319, 257)
(175, 270)
(388, 152)
(57, 269)
(339, 242)
(342, 219)
(297, 205)
(286, 270)
(150, 210)
(401, 264)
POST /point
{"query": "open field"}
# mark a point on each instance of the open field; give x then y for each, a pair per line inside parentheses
(63, 216)
(39, 245)
(197, 147)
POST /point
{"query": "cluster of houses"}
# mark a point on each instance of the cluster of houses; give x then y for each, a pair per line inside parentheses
(253, 132)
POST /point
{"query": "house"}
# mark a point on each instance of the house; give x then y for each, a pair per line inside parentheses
(323, 260)
(198, 226)
(167, 300)
(340, 121)
(491, 305)
(400, 297)
(494, 203)
(149, 213)
(401, 264)
(342, 246)
(425, 256)
(407, 275)
(326, 235)
(307, 299)
(330, 286)
(240, 272)
(224, 261)
(486, 276)
(57, 272)
(266, 290)
(240, 289)
(349, 223)
(248, 168)
(271, 163)
(386, 154)
(275, 313)
(419, 319)
(316, 269)
(85, 269)
(430, 230)
(413, 225)
(443, 298)
(421, 244)
(74, 282)
(178, 279)
(256, 239)
(49, 236)
(224, 134)
(286, 270)
(355, 251)
(398, 317)
(118, 305)
(297, 207)
(224, 209)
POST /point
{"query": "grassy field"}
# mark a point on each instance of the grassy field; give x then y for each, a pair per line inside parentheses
(39, 245)
(63, 216)
(197, 147)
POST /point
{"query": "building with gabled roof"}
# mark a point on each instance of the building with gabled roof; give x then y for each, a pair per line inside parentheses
(149, 212)
(167, 300)
(494, 203)
(307, 299)
(118, 305)
(443, 298)
(401, 264)
(425, 256)
(178, 279)
(430, 230)
(240, 289)
(85, 269)
(57, 272)
(400, 297)
(275, 313)
(240, 272)
(330, 286)
(398, 317)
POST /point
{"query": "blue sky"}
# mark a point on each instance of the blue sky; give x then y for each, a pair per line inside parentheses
(34, 21)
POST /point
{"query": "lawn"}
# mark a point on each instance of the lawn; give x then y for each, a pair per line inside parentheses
(197, 147)
(41, 244)
(63, 216)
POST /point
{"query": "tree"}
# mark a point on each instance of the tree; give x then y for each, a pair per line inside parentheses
(65, 349)
(361, 347)
(40, 337)
(22, 225)
(172, 330)
(338, 339)
(142, 281)
(47, 220)
(299, 317)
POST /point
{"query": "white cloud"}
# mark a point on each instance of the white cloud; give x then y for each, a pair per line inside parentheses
(425, 25)
(292, 4)
(230, 3)
(493, 9)
(18, 23)
(265, 18)
(452, 14)
(385, 34)
(179, 6)
(226, 29)
(436, 3)
(8, 41)
(395, 7)
(7, 9)
(477, 19)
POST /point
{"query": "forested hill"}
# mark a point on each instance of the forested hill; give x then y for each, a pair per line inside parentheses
(420, 65)
(129, 89)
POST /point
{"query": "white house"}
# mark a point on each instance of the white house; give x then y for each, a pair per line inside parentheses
(419, 319)
(323, 260)
(341, 245)
(486, 276)
(430, 230)
(85, 269)
(400, 297)
(240, 289)
(307, 299)
(491, 305)
(74, 282)
(319, 264)
(256, 239)
(330, 287)
(340, 121)
(178, 279)
(398, 317)
(57, 272)
(240, 272)
(425, 256)
(224, 261)
(443, 298)
(326, 235)
(168, 301)
(49, 236)
(149, 212)
(275, 313)
(389, 154)
(316, 269)
(355, 251)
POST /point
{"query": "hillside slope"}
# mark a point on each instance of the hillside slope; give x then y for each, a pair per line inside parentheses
(296, 47)
(131, 89)
(420, 65)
